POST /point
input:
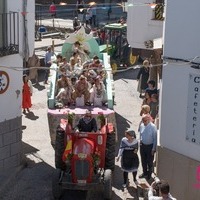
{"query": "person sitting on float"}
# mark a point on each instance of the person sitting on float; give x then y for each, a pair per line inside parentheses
(82, 88)
(96, 66)
(74, 69)
(98, 95)
(64, 90)
(81, 50)
(77, 58)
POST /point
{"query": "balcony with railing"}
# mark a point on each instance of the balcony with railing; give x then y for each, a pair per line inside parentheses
(9, 33)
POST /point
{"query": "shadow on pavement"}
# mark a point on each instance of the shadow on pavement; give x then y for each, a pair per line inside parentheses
(129, 74)
(28, 148)
(33, 180)
(115, 197)
(122, 126)
(23, 127)
(131, 191)
(30, 115)
(74, 194)
(118, 178)
(38, 86)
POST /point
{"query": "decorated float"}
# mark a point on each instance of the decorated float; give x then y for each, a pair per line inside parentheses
(75, 112)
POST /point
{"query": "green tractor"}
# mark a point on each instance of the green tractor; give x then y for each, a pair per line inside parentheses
(116, 45)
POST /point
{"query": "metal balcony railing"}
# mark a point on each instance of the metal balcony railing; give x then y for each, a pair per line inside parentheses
(9, 33)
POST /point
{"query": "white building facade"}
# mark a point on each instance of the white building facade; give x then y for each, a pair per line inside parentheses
(145, 31)
(179, 151)
(17, 19)
(143, 24)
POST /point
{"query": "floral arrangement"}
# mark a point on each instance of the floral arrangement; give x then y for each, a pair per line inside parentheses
(96, 158)
(102, 118)
(70, 118)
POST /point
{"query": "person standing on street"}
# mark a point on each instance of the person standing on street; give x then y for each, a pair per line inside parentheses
(76, 24)
(88, 16)
(94, 15)
(80, 5)
(129, 158)
(33, 65)
(52, 9)
(142, 77)
(148, 144)
(26, 93)
(48, 62)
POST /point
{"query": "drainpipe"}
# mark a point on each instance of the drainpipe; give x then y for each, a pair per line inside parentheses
(25, 33)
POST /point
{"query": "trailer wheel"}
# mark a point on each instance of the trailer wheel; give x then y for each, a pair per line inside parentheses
(110, 151)
(59, 149)
(132, 59)
(107, 184)
(56, 186)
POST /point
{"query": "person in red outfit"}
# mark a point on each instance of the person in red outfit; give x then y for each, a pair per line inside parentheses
(26, 94)
(52, 9)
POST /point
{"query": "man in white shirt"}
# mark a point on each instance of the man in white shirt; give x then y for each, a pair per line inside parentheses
(48, 62)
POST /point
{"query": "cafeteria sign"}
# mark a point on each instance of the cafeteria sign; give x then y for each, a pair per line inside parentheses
(193, 110)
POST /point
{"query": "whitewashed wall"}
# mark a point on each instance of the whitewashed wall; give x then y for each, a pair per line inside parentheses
(17, 7)
(181, 40)
(181, 29)
(10, 103)
(141, 27)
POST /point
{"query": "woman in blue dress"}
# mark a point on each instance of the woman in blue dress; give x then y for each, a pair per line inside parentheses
(129, 158)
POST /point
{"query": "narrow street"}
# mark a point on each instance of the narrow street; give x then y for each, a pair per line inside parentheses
(34, 181)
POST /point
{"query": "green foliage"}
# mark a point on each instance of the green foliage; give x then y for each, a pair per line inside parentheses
(96, 158)
(70, 117)
(102, 119)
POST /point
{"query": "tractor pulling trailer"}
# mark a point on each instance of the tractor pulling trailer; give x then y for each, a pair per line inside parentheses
(83, 160)
(90, 162)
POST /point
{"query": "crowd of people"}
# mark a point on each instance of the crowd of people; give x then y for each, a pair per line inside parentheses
(86, 14)
(84, 82)
(80, 81)
(147, 141)
(129, 147)
(149, 92)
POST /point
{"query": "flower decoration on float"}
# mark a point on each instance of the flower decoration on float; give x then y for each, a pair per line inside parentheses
(101, 118)
(79, 36)
(70, 117)
(96, 158)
